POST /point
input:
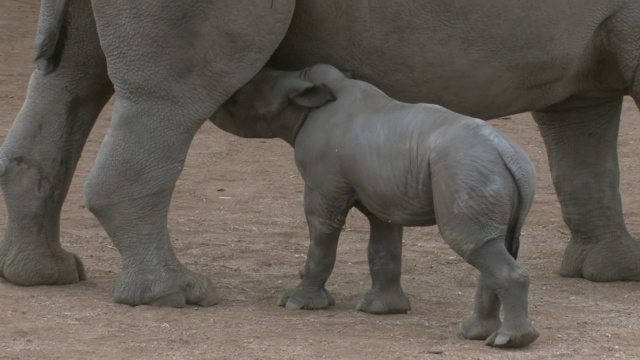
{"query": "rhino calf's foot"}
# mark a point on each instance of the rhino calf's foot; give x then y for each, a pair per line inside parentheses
(479, 328)
(58, 267)
(516, 336)
(387, 302)
(303, 298)
(165, 287)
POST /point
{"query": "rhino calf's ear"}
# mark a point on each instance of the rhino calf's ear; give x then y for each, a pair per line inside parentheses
(314, 96)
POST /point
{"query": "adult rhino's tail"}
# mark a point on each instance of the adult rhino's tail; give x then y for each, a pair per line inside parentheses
(524, 175)
(50, 48)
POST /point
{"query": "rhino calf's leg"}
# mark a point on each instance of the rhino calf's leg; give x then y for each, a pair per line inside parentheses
(385, 265)
(326, 215)
(475, 214)
(486, 313)
(582, 148)
(504, 281)
(41, 151)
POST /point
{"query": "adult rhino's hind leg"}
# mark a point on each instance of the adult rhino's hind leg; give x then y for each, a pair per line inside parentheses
(129, 191)
(172, 64)
(41, 151)
(582, 149)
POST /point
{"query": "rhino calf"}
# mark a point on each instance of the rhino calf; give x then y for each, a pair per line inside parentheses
(401, 165)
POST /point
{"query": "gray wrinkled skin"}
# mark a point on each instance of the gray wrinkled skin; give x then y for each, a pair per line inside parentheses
(171, 63)
(401, 165)
(570, 62)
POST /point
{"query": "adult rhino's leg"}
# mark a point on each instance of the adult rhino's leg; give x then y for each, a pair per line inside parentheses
(40, 153)
(385, 265)
(172, 63)
(582, 149)
(129, 191)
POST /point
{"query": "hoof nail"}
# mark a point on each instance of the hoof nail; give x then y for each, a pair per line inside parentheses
(294, 304)
(501, 339)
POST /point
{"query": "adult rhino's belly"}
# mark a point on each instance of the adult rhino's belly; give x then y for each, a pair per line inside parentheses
(465, 55)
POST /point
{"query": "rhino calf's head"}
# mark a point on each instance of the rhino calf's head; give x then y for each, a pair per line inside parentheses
(271, 105)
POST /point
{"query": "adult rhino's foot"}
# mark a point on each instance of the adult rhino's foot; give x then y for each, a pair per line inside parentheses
(607, 260)
(22, 266)
(516, 336)
(165, 287)
(302, 298)
(388, 302)
(479, 328)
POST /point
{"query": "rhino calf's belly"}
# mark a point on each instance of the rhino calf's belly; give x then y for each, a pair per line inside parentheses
(398, 209)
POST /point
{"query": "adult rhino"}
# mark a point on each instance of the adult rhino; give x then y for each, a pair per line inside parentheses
(172, 63)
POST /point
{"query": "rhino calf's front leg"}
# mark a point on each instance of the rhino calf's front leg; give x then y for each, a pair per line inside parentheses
(325, 217)
(385, 266)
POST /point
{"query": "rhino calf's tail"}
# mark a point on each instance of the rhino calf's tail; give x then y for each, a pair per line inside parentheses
(524, 175)
(49, 50)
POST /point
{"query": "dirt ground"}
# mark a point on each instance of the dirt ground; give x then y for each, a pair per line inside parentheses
(237, 217)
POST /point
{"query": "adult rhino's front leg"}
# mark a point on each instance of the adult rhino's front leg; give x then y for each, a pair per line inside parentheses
(41, 151)
(172, 64)
(582, 150)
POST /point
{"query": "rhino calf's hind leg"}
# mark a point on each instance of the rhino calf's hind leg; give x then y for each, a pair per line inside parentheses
(476, 227)
(486, 313)
(385, 265)
(504, 281)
